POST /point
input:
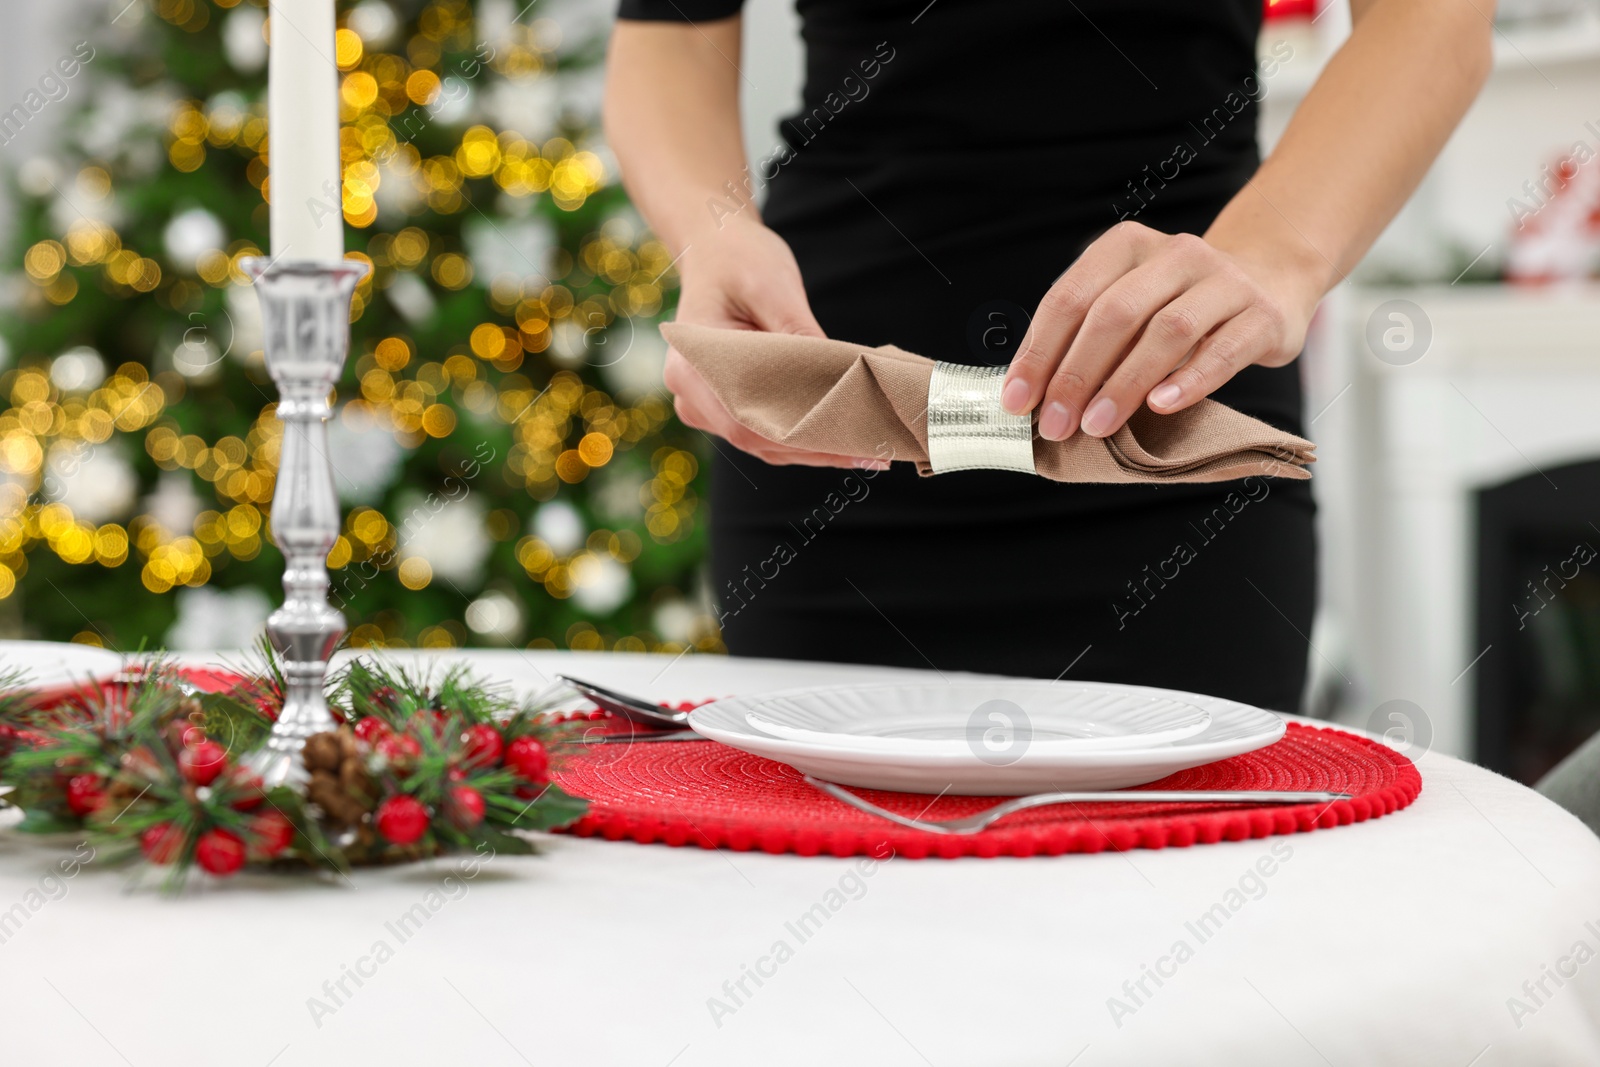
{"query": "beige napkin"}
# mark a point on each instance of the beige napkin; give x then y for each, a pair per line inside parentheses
(847, 400)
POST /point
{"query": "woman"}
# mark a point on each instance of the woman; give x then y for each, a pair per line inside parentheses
(1073, 188)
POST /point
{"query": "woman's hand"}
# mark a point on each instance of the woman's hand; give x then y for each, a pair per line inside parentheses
(1148, 317)
(672, 115)
(742, 277)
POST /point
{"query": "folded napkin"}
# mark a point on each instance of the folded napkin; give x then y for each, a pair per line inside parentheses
(872, 403)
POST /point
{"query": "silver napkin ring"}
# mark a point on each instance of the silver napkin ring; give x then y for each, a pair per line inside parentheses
(967, 427)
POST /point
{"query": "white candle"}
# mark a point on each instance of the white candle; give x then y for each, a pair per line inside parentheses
(303, 130)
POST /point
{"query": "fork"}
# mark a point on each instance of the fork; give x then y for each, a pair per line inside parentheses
(971, 824)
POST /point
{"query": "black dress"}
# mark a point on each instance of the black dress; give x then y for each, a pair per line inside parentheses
(951, 160)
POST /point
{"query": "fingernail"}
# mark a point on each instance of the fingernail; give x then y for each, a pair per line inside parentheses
(1164, 396)
(1098, 419)
(1014, 398)
(1056, 422)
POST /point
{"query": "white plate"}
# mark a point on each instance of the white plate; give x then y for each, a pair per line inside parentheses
(1001, 760)
(49, 664)
(953, 719)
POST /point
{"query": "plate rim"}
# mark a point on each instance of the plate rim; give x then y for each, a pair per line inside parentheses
(1178, 751)
(881, 743)
(34, 680)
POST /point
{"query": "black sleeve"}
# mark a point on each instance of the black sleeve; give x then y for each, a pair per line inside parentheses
(678, 10)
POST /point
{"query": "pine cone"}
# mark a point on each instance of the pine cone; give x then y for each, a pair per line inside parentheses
(322, 752)
(339, 785)
(121, 792)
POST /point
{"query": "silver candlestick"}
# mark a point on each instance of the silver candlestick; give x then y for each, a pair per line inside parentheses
(305, 311)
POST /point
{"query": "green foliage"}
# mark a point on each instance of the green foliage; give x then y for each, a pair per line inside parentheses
(131, 742)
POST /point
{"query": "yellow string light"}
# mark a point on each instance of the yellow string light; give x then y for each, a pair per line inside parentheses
(562, 430)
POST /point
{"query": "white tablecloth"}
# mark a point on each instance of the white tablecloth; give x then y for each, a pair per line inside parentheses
(1460, 931)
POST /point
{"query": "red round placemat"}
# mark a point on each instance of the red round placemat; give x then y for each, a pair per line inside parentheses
(707, 794)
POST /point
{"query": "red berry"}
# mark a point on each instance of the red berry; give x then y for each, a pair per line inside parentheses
(484, 746)
(250, 784)
(201, 763)
(468, 807)
(272, 832)
(527, 756)
(161, 843)
(85, 793)
(219, 852)
(372, 729)
(402, 819)
(193, 736)
(386, 696)
(398, 748)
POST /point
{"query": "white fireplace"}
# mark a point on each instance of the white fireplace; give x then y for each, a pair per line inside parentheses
(1508, 386)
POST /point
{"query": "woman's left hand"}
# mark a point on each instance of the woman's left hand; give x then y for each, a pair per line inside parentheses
(1156, 318)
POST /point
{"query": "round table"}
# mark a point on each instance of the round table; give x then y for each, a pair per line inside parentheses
(1459, 931)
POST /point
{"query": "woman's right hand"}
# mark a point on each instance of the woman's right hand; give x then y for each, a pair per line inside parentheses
(742, 277)
(672, 116)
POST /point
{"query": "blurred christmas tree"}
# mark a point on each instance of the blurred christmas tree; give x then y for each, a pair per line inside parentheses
(510, 471)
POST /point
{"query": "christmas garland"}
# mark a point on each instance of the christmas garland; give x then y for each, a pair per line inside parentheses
(155, 766)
